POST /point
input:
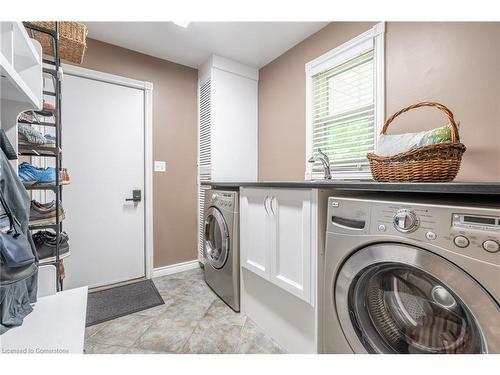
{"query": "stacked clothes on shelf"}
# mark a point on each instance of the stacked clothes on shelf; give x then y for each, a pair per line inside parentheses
(18, 279)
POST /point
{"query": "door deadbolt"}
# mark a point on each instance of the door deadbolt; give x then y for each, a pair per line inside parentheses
(136, 196)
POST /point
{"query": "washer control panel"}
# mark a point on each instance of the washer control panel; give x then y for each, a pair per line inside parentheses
(467, 230)
(223, 200)
(471, 231)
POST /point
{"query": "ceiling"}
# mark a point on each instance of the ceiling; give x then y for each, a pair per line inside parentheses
(251, 43)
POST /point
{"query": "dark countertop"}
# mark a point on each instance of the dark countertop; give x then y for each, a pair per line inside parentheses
(465, 188)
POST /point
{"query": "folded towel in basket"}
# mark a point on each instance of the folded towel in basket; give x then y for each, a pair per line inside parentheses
(389, 145)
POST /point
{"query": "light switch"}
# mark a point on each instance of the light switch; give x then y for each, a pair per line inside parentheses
(160, 166)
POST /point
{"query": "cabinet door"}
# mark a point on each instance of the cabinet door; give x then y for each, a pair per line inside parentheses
(291, 250)
(255, 228)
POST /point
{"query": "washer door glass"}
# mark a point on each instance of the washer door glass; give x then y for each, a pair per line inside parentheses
(216, 238)
(400, 309)
(397, 298)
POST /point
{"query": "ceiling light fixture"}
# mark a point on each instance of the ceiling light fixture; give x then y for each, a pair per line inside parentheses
(183, 24)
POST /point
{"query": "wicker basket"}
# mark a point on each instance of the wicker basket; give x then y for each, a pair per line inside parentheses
(434, 163)
(72, 44)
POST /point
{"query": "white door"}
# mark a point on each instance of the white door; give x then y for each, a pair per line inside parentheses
(291, 250)
(255, 230)
(103, 144)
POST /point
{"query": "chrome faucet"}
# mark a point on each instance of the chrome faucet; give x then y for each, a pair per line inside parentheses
(325, 160)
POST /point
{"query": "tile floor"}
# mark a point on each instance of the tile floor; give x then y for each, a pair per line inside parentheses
(192, 320)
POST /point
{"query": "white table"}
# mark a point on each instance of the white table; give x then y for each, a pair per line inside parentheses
(56, 325)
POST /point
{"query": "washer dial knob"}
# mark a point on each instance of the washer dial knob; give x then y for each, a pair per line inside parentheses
(405, 221)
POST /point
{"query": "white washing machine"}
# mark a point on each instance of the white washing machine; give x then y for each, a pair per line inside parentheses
(221, 245)
(408, 277)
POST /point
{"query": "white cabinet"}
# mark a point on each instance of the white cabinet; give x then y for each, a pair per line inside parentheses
(291, 243)
(276, 237)
(255, 239)
(228, 120)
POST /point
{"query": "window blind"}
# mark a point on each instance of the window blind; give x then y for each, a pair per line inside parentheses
(204, 157)
(343, 114)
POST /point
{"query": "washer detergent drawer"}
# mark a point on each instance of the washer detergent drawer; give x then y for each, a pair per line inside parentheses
(348, 217)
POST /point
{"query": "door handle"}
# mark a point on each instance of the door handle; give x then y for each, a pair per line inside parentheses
(136, 196)
(265, 205)
(271, 205)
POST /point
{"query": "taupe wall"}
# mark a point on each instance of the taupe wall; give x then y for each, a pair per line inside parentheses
(174, 140)
(457, 64)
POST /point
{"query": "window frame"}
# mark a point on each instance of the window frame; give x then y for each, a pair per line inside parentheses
(371, 39)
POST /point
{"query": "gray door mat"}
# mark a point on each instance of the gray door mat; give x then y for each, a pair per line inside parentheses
(122, 300)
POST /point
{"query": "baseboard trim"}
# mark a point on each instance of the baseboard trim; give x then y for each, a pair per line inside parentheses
(175, 268)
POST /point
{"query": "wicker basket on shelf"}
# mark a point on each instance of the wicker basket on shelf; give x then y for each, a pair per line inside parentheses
(73, 37)
(434, 163)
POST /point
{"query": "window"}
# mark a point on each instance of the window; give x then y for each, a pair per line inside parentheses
(345, 108)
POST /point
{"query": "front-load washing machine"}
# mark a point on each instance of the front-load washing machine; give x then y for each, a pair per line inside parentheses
(221, 245)
(411, 277)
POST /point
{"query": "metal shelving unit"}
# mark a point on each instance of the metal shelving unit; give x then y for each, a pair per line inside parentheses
(51, 67)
